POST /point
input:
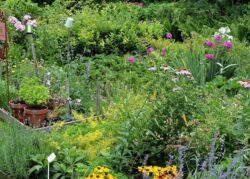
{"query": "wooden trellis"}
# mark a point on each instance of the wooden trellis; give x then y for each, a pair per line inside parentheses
(4, 47)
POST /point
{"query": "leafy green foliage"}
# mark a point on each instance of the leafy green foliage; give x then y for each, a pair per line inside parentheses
(33, 93)
(17, 144)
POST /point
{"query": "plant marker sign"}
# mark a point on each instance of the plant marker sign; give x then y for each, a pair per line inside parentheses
(4, 46)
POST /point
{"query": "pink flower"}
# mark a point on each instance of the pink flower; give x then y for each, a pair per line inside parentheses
(150, 50)
(227, 45)
(33, 23)
(26, 17)
(163, 52)
(13, 20)
(19, 26)
(217, 37)
(165, 67)
(244, 84)
(209, 56)
(209, 43)
(136, 3)
(131, 59)
(183, 72)
(169, 35)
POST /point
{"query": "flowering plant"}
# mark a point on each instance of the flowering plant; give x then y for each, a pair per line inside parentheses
(101, 173)
(169, 172)
(217, 54)
(21, 26)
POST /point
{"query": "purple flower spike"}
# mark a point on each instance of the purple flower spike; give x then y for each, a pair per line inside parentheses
(169, 35)
(227, 45)
(131, 59)
(218, 38)
(209, 43)
(150, 50)
(209, 56)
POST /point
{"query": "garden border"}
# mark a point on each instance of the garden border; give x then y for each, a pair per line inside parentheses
(7, 117)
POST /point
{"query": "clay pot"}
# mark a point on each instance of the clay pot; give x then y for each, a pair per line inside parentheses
(18, 109)
(36, 117)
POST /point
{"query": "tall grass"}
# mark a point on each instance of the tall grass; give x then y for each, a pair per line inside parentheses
(17, 144)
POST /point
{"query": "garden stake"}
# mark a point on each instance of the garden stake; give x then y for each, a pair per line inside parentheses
(50, 159)
(108, 91)
(98, 98)
(3, 37)
(33, 50)
(68, 25)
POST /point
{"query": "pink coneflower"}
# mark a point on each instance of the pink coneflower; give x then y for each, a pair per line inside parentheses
(152, 68)
(228, 45)
(163, 52)
(13, 20)
(165, 67)
(209, 43)
(26, 17)
(33, 23)
(217, 37)
(183, 72)
(150, 50)
(244, 84)
(169, 35)
(131, 59)
(209, 56)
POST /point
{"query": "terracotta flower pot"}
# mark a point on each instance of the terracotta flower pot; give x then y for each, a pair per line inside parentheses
(36, 117)
(18, 109)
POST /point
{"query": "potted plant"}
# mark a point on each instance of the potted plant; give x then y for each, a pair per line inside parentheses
(17, 107)
(36, 97)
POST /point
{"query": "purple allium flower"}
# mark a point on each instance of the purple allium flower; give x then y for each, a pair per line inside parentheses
(163, 52)
(217, 37)
(33, 23)
(169, 35)
(209, 43)
(209, 56)
(131, 59)
(13, 20)
(26, 17)
(150, 50)
(228, 45)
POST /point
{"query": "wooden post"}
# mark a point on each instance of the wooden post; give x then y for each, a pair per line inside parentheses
(1, 70)
(108, 91)
(4, 37)
(98, 98)
(68, 99)
(33, 53)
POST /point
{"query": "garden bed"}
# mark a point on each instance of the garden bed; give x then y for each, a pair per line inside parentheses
(7, 117)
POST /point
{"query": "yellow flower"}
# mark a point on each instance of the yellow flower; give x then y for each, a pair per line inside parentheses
(100, 169)
(169, 172)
